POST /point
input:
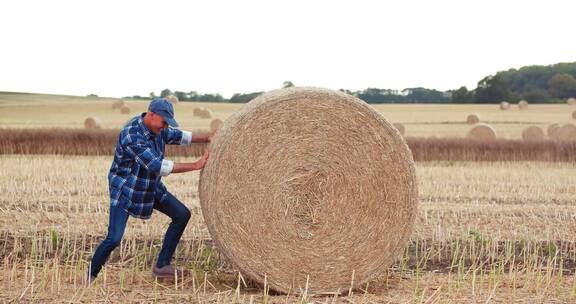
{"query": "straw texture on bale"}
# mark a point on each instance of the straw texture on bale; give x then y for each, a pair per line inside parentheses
(215, 124)
(173, 99)
(482, 131)
(118, 104)
(523, 104)
(472, 119)
(571, 101)
(399, 127)
(567, 132)
(504, 105)
(533, 133)
(309, 183)
(124, 110)
(92, 123)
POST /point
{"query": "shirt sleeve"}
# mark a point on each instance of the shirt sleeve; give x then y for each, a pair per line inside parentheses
(167, 167)
(142, 152)
(186, 138)
(174, 136)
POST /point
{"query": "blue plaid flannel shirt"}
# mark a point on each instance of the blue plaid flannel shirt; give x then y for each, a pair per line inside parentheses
(134, 178)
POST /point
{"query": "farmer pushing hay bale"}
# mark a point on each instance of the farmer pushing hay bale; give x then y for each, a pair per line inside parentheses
(310, 189)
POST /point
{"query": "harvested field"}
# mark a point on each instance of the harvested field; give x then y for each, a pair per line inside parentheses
(484, 231)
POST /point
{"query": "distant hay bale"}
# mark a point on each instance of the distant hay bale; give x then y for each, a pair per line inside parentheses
(117, 104)
(574, 114)
(571, 101)
(504, 105)
(567, 132)
(215, 124)
(523, 105)
(399, 127)
(124, 110)
(205, 113)
(533, 133)
(472, 119)
(482, 131)
(173, 99)
(92, 123)
(552, 131)
(202, 112)
(287, 200)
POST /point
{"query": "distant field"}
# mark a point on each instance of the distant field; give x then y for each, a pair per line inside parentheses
(440, 120)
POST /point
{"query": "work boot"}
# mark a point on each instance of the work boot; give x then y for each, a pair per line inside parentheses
(166, 271)
(90, 279)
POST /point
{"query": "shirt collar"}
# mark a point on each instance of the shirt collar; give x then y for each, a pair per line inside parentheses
(145, 130)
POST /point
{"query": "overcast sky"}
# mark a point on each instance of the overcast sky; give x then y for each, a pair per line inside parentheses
(121, 48)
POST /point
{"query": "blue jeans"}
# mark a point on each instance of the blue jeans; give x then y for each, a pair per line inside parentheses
(171, 206)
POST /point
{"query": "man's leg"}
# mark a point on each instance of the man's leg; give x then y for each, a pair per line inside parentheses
(116, 227)
(180, 215)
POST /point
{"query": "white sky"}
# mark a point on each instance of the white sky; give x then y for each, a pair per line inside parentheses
(121, 48)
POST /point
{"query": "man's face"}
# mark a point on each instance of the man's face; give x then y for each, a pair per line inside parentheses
(157, 123)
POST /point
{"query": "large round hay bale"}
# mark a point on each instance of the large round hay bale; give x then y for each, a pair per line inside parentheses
(308, 185)
(399, 127)
(552, 131)
(523, 105)
(117, 104)
(215, 124)
(504, 105)
(533, 133)
(567, 132)
(482, 131)
(92, 123)
(125, 109)
(173, 99)
(197, 112)
(571, 101)
(472, 119)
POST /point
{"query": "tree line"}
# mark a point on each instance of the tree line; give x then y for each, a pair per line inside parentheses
(535, 84)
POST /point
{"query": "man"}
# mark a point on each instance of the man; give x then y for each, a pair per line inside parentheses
(135, 186)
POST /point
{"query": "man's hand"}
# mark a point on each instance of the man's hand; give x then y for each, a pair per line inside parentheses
(202, 162)
(212, 135)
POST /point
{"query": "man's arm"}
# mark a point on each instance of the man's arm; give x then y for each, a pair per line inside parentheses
(186, 167)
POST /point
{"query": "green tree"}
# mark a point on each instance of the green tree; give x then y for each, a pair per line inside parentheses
(492, 89)
(287, 84)
(462, 95)
(562, 86)
(165, 92)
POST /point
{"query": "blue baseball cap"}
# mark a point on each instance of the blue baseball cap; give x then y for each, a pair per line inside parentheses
(164, 108)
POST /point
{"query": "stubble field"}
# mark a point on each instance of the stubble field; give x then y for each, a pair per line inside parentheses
(485, 231)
